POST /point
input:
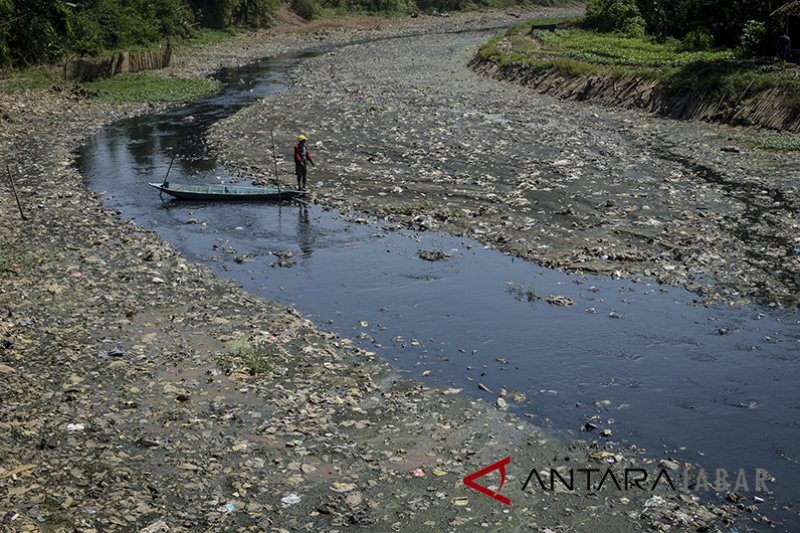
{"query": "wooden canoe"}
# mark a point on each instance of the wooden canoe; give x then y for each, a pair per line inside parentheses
(236, 193)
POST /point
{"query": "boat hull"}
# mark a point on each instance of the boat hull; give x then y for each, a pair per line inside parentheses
(227, 193)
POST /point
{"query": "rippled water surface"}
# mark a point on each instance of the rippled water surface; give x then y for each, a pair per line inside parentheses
(714, 385)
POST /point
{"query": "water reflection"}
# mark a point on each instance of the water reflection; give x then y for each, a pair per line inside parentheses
(305, 235)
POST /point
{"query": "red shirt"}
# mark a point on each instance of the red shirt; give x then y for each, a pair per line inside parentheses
(298, 154)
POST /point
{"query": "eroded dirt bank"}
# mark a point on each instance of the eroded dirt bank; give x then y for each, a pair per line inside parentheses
(122, 408)
(424, 140)
(766, 109)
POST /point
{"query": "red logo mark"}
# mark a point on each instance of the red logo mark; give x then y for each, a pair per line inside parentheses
(501, 466)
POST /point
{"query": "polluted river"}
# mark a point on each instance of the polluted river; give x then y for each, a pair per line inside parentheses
(712, 384)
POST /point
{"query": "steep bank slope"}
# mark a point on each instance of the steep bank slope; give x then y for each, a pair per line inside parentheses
(768, 109)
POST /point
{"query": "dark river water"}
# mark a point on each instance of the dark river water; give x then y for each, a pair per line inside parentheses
(714, 385)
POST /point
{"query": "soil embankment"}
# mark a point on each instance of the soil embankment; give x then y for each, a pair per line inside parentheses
(123, 408)
(766, 109)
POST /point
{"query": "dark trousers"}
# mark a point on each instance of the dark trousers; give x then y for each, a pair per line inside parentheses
(300, 170)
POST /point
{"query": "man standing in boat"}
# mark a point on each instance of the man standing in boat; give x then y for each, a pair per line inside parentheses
(301, 159)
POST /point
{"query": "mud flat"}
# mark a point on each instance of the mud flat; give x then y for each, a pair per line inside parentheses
(140, 392)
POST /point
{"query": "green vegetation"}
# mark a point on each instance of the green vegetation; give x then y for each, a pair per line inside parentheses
(685, 66)
(426, 207)
(305, 8)
(742, 24)
(44, 31)
(620, 16)
(530, 43)
(617, 49)
(779, 143)
(206, 36)
(148, 87)
(256, 360)
(31, 79)
(10, 260)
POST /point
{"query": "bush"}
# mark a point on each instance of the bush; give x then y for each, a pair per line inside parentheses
(116, 24)
(697, 40)
(634, 28)
(254, 13)
(752, 39)
(608, 16)
(305, 8)
(6, 17)
(34, 30)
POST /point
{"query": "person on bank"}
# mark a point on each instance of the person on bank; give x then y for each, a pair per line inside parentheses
(783, 49)
(302, 157)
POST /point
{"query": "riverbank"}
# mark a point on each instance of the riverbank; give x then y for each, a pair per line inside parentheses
(140, 392)
(552, 57)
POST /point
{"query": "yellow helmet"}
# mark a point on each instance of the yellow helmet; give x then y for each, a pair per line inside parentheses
(301, 137)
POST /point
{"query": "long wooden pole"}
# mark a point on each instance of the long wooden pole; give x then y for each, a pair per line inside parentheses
(275, 160)
(166, 176)
(14, 188)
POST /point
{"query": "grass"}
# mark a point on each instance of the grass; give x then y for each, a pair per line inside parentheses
(149, 87)
(205, 36)
(557, 45)
(612, 49)
(9, 260)
(256, 360)
(424, 207)
(29, 79)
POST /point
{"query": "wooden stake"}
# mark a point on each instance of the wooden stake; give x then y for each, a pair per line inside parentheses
(14, 188)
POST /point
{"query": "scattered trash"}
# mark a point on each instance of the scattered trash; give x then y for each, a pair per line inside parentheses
(654, 501)
(342, 487)
(432, 255)
(156, 527)
(562, 301)
(291, 499)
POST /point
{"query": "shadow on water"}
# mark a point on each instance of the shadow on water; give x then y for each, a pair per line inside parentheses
(714, 385)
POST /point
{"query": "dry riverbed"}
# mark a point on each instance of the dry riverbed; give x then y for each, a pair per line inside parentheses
(140, 392)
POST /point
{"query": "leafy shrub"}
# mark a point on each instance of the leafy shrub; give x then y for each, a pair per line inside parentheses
(305, 8)
(633, 27)
(6, 17)
(33, 30)
(698, 39)
(115, 24)
(753, 36)
(215, 14)
(612, 15)
(254, 13)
